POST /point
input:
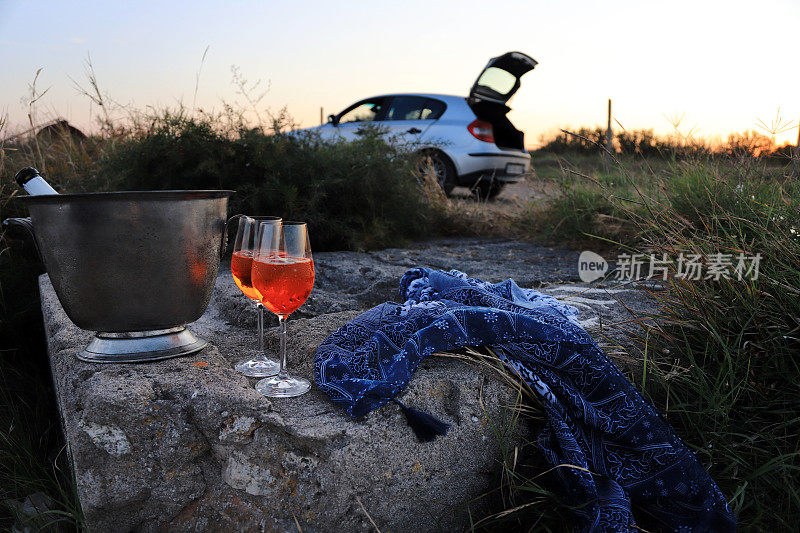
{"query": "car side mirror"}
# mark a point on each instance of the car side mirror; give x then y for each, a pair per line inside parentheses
(332, 120)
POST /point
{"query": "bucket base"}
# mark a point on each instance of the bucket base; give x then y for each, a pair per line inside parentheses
(141, 346)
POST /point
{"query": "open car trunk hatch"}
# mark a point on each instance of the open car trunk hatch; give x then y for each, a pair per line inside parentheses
(499, 79)
(497, 83)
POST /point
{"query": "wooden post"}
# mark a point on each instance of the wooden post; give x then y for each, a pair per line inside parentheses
(320, 117)
(609, 133)
(796, 155)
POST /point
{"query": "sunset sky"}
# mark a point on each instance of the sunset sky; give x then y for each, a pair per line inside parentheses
(722, 65)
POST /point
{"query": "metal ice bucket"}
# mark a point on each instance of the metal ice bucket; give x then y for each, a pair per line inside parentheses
(133, 266)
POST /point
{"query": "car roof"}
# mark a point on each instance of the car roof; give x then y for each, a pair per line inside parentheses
(444, 97)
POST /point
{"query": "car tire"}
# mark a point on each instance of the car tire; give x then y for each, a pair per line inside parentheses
(488, 190)
(443, 168)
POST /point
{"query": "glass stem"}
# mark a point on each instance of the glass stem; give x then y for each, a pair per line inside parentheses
(260, 355)
(282, 336)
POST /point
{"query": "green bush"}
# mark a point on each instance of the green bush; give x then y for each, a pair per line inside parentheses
(645, 143)
(362, 194)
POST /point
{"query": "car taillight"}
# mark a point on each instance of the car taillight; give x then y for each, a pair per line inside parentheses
(481, 130)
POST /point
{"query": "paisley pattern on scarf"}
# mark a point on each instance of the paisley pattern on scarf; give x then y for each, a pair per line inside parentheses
(615, 457)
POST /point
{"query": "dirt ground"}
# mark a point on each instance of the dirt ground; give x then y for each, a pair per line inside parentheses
(514, 200)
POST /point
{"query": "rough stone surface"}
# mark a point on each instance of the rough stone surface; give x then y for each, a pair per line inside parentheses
(173, 445)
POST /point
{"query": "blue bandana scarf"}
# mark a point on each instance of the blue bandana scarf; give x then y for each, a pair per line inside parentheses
(622, 455)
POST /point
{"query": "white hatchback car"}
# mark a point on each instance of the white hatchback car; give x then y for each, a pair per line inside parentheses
(470, 141)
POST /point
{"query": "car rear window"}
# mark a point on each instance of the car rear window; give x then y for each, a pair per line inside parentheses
(498, 80)
(414, 108)
(406, 108)
(433, 109)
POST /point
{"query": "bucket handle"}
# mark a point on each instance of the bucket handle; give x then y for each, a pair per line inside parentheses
(224, 247)
(26, 224)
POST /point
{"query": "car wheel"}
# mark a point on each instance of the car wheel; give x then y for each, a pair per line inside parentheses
(443, 169)
(488, 190)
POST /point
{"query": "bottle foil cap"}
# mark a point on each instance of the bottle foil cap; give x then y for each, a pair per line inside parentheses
(25, 175)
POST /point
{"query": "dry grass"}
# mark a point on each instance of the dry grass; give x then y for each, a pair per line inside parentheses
(722, 364)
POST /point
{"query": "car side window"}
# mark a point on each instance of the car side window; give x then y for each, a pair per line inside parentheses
(406, 108)
(365, 111)
(433, 109)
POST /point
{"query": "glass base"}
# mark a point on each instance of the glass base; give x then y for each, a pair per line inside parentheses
(258, 368)
(276, 387)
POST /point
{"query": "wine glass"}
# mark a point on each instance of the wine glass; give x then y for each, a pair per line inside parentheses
(241, 268)
(283, 273)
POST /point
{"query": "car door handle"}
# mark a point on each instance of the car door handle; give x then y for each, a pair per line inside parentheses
(414, 130)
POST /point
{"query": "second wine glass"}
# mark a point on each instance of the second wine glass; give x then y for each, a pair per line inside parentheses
(241, 268)
(283, 273)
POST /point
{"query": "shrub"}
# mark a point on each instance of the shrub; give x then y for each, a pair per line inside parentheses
(645, 143)
(362, 194)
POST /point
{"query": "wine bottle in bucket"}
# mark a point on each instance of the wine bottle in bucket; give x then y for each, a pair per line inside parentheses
(34, 184)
